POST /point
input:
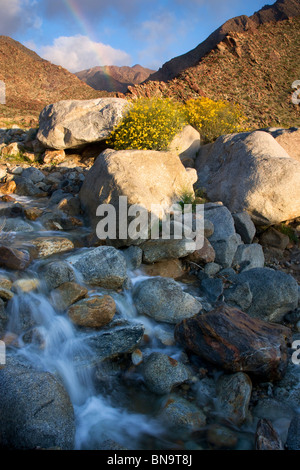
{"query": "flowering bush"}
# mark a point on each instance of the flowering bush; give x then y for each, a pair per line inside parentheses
(214, 118)
(149, 124)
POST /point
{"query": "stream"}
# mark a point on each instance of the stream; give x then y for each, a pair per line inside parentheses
(118, 408)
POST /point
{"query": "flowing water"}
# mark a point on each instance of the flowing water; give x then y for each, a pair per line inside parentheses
(122, 411)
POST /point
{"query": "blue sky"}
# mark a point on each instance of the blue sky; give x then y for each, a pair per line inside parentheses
(79, 34)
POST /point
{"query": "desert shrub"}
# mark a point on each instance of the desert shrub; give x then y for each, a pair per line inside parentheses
(214, 118)
(149, 124)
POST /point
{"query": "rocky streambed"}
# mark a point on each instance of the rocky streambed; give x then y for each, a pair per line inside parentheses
(154, 346)
(106, 352)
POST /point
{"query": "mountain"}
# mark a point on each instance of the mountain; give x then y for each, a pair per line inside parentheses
(281, 10)
(254, 68)
(112, 78)
(32, 83)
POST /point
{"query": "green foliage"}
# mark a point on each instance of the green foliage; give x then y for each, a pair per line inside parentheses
(287, 230)
(149, 124)
(214, 118)
(20, 158)
(193, 198)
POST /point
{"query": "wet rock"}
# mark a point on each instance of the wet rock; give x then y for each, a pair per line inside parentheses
(287, 391)
(249, 257)
(57, 273)
(113, 341)
(221, 437)
(266, 438)
(280, 414)
(137, 357)
(49, 246)
(5, 283)
(293, 438)
(70, 206)
(204, 255)
(57, 220)
(12, 258)
(25, 187)
(36, 411)
(165, 334)
(162, 373)
(234, 341)
(244, 226)
(3, 319)
(164, 300)
(181, 415)
(168, 268)
(157, 250)
(33, 174)
(103, 266)
(25, 285)
(8, 188)
(95, 312)
(67, 294)
(6, 294)
(275, 293)
(224, 239)
(133, 255)
(32, 213)
(234, 393)
(17, 225)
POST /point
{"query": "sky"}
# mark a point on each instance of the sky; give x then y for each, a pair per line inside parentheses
(80, 34)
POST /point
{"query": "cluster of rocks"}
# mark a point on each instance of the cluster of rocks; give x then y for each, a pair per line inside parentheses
(233, 317)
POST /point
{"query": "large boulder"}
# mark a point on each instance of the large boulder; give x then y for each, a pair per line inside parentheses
(145, 177)
(289, 139)
(35, 409)
(73, 123)
(251, 171)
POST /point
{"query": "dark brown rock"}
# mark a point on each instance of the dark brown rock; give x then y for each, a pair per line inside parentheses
(11, 258)
(67, 294)
(266, 438)
(234, 341)
(206, 254)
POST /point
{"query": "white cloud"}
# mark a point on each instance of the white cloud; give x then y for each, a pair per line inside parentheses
(79, 52)
(16, 15)
(160, 35)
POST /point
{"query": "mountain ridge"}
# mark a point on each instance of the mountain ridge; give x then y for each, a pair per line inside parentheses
(280, 10)
(32, 83)
(112, 78)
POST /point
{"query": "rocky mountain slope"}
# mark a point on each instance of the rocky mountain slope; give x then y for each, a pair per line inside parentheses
(113, 78)
(32, 83)
(280, 10)
(255, 68)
